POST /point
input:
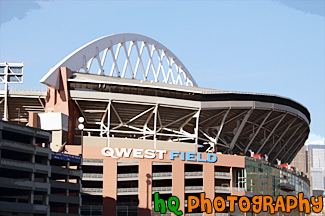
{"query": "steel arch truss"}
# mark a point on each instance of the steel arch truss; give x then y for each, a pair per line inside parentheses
(126, 56)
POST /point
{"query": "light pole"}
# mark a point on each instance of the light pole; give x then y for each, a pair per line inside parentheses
(10, 73)
(81, 127)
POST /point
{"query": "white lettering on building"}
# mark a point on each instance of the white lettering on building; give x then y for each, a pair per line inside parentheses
(136, 153)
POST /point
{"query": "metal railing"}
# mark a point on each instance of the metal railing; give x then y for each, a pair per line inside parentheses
(127, 189)
(98, 190)
(194, 173)
(91, 210)
(223, 174)
(222, 188)
(17, 163)
(127, 175)
(158, 189)
(126, 210)
(93, 160)
(190, 188)
(92, 175)
(238, 189)
(162, 174)
(25, 88)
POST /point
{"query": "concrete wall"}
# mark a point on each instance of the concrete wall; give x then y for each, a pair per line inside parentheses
(109, 190)
(137, 143)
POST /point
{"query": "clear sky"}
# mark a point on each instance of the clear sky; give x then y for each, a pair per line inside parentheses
(264, 46)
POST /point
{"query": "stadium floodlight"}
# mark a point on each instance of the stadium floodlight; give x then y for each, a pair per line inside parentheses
(81, 119)
(10, 73)
(81, 126)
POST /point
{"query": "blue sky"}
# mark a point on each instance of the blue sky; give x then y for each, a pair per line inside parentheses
(267, 46)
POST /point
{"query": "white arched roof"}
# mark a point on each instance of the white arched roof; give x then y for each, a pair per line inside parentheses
(132, 56)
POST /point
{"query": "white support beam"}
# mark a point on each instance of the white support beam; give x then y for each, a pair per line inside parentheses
(134, 118)
(234, 140)
(160, 122)
(255, 123)
(220, 128)
(103, 128)
(182, 132)
(258, 130)
(280, 138)
(100, 70)
(210, 139)
(235, 117)
(275, 118)
(267, 139)
(292, 135)
(82, 59)
(155, 126)
(187, 121)
(145, 125)
(180, 119)
(82, 113)
(41, 102)
(117, 115)
(289, 150)
(197, 116)
(127, 60)
(212, 117)
(108, 122)
(139, 61)
(297, 148)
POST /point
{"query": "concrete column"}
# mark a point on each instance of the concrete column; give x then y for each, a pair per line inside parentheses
(145, 187)
(46, 199)
(47, 144)
(32, 161)
(67, 192)
(232, 178)
(33, 140)
(178, 183)
(31, 197)
(67, 178)
(109, 186)
(32, 174)
(209, 183)
(33, 120)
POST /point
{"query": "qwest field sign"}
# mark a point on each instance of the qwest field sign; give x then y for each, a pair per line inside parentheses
(153, 153)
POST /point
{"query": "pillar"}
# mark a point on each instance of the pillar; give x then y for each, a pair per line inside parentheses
(178, 183)
(109, 186)
(33, 120)
(209, 183)
(145, 187)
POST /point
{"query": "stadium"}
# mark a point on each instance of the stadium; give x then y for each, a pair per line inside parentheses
(128, 91)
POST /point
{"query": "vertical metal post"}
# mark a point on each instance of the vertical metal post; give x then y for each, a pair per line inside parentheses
(197, 116)
(108, 122)
(82, 144)
(5, 108)
(220, 129)
(6, 79)
(155, 127)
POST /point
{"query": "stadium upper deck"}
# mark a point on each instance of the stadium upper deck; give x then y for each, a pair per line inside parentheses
(149, 95)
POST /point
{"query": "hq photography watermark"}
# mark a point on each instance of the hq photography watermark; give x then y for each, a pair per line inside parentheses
(254, 204)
